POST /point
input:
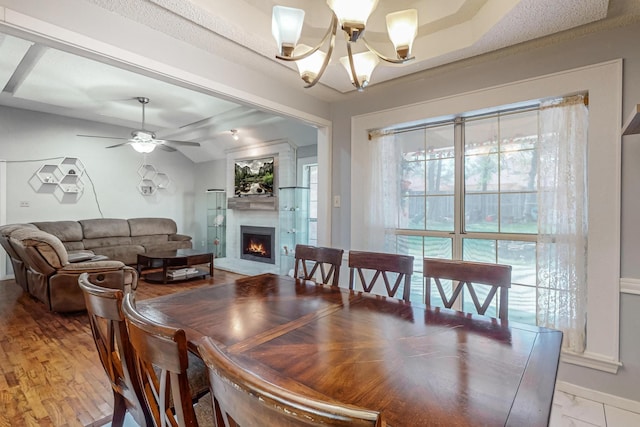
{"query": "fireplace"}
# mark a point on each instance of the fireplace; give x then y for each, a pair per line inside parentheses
(258, 244)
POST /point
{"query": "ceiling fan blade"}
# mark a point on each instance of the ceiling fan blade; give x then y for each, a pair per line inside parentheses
(185, 143)
(100, 136)
(166, 147)
(117, 145)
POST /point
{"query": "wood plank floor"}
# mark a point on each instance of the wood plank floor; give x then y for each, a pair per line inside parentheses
(50, 374)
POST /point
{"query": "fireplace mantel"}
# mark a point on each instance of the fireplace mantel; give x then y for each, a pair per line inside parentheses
(256, 203)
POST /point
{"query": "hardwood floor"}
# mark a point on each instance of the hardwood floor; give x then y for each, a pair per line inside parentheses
(50, 373)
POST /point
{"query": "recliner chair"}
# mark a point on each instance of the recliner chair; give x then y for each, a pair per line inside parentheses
(52, 279)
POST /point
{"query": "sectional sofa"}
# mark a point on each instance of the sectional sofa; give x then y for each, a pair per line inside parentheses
(48, 257)
(118, 239)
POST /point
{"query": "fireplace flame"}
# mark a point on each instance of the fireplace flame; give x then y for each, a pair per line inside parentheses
(256, 248)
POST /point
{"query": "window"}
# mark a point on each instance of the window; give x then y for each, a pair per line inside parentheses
(469, 191)
(603, 82)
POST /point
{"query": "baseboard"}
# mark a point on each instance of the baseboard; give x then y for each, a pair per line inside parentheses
(7, 277)
(598, 396)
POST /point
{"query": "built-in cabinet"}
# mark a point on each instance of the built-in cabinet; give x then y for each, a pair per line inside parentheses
(294, 223)
(217, 223)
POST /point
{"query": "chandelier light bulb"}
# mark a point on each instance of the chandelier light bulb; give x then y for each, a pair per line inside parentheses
(402, 28)
(364, 64)
(286, 27)
(310, 66)
(353, 14)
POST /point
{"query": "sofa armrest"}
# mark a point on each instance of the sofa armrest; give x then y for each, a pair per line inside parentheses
(130, 278)
(179, 238)
(80, 256)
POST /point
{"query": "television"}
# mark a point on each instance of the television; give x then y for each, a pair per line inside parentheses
(254, 177)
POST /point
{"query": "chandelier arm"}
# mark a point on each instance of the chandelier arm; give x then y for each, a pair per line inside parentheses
(331, 32)
(385, 58)
(327, 57)
(356, 82)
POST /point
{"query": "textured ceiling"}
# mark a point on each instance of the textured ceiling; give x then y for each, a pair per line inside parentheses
(45, 79)
(449, 30)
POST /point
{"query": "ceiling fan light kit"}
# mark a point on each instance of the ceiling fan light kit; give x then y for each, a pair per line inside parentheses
(351, 16)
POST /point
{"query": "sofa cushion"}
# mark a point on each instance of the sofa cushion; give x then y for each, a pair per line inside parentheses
(106, 242)
(167, 246)
(128, 254)
(67, 231)
(104, 227)
(151, 226)
(149, 240)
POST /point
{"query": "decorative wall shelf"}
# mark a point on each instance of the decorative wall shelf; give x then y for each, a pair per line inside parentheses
(71, 166)
(147, 187)
(632, 124)
(152, 180)
(64, 179)
(162, 180)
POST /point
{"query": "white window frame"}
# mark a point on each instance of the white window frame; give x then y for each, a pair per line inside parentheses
(603, 82)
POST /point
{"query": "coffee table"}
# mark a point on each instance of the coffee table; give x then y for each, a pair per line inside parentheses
(173, 263)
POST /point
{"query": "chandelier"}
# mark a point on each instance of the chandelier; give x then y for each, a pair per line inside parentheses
(351, 16)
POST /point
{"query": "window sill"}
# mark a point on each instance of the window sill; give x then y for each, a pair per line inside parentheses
(591, 360)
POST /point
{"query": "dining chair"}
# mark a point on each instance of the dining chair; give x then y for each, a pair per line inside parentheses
(479, 277)
(241, 398)
(380, 264)
(104, 307)
(171, 379)
(310, 258)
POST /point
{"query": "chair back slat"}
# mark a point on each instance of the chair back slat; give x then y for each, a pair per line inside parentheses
(311, 258)
(104, 308)
(469, 274)
(241, 398)
(379, 264)
(161, 364)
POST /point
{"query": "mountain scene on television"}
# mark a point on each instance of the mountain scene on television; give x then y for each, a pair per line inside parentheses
(254, 177)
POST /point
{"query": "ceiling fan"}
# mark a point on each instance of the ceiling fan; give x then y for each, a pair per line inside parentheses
(144, 141)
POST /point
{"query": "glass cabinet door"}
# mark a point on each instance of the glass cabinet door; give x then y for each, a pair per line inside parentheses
(294, 223)
(217, 223)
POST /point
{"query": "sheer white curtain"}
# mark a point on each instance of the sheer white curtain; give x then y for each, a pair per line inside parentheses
(562, 219)
(381, 189)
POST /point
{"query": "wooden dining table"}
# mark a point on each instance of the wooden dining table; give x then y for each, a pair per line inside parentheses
(417, 365)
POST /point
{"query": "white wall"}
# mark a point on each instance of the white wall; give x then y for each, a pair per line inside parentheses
(111, 175)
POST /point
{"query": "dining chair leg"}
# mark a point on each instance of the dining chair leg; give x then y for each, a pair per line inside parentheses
(119, 410)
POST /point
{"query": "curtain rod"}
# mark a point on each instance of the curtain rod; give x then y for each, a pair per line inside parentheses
(377, 133)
